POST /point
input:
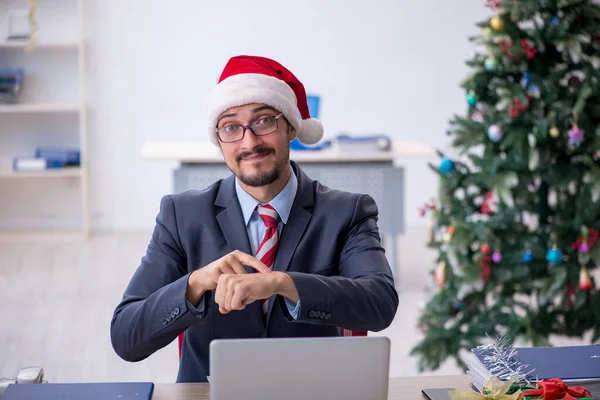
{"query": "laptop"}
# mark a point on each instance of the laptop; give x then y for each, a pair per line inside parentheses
(300, 368)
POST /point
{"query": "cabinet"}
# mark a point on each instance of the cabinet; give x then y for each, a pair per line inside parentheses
(50, 111)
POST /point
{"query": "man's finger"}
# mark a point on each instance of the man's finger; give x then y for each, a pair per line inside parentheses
(237, 267)
(237, 301)
(226, 268)
(253, 262)
(221, 291)
(223, 310)
(228, 296)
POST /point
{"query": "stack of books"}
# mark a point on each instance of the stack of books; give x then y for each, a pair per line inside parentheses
(48, 158)
(574, 365)
(11, 80)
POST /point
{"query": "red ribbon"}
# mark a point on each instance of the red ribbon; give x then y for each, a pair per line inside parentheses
(554, 389)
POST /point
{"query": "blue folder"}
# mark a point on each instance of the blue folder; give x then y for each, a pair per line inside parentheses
(77, 391)
(566, 363)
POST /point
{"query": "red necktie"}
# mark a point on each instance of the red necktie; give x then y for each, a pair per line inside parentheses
(268, 246)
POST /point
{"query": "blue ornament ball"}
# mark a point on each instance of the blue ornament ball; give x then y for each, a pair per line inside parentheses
(447, 166)
(527, 257)
(526, 79)
(472, 100)
(554, 256)
(555, 20)
(495, 133)
(490, 64)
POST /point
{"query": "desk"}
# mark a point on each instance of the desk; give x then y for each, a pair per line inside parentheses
(376, 173)
(399, 389)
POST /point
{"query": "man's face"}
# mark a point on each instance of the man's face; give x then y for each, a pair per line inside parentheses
(255, 160)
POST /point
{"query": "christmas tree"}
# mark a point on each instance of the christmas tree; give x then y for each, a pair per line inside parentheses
(515, 224)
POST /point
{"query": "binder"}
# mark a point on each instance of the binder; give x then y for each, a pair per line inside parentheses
(72, 391)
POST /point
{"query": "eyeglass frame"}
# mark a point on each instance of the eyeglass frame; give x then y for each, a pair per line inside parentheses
(248, 127)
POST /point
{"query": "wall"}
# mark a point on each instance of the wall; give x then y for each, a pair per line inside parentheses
(379, 66)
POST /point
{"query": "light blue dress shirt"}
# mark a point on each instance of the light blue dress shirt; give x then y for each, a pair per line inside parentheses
(256, 228)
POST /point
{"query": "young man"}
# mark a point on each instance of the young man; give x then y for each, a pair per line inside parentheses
(267, 252)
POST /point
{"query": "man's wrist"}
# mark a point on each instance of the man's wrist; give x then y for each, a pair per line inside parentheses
(285, 286)
(196, 287)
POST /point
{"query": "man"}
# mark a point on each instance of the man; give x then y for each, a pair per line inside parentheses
(267, 252)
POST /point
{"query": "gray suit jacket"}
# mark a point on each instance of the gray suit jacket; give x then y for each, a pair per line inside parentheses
(330, 247)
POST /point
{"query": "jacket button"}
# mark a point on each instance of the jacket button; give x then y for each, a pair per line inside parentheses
(311, 313)
(173, 315)
(176, 311)
(168, 318)
(323, 315)
(164, 321)
(328, 316)
(317, 314)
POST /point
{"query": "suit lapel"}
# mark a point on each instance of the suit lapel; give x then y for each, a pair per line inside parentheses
(298, 220)
(231, 221)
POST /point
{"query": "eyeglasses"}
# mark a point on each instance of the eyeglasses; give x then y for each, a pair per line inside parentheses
(260, 127)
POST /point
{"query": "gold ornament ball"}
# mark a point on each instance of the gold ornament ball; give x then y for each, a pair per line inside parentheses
(497, 23)
(447, 237)
(554, 132)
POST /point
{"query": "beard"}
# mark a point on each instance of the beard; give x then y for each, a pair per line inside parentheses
(262, 178)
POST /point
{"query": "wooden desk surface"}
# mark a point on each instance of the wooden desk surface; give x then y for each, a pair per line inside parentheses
(400, 388)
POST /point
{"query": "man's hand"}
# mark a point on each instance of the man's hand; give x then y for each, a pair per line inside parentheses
(206, 278)
(234, 292)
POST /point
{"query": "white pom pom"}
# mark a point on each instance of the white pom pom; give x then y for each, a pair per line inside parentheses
(311, 131)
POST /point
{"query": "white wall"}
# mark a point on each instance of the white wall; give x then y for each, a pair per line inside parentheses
(379, 66)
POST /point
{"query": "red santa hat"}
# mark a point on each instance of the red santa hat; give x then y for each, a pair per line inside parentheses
(250, 79)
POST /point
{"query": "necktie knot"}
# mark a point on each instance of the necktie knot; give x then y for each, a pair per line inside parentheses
(268, 215)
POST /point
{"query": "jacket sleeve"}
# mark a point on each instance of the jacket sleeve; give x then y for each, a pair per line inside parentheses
(154, 309)
(363, 296)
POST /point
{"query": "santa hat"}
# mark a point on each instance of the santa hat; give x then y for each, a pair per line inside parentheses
(249, 79)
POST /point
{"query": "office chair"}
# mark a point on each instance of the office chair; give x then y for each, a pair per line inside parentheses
(346, 333)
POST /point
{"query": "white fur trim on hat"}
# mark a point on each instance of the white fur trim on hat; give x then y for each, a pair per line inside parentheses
(242, 89)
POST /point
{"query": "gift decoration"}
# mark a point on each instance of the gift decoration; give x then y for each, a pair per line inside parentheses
(575, 136)
(485, 248)
(555, 389)
(506, 46)
(494, 390)
(490, 64)
(493, 4)
(526, 80)
(585, 281)
(486, 268)
(534, 91)
(517, 107)
(429, 206)
(495, 133)
(528, 49)
(439, 276)
(527, 257)
(447, 166)
(497, 257)
(488, 206)
(497, 23)
(554, 256)
(587, 240)
(472, 99)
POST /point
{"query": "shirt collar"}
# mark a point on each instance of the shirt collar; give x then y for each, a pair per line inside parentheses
(282, 203)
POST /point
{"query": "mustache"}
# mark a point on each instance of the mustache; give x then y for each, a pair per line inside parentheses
(260, 151)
